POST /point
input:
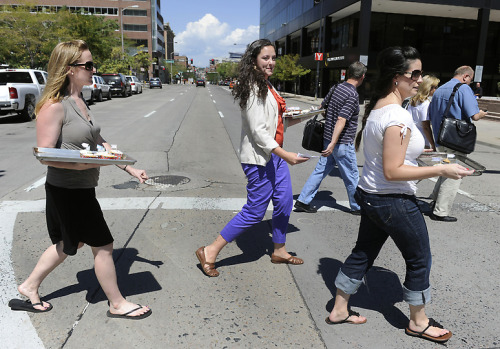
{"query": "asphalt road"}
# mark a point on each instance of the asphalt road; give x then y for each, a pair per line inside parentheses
(188, 135)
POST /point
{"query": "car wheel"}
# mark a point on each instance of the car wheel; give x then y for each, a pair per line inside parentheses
(124, 93)
(99, 96)
(29, 109)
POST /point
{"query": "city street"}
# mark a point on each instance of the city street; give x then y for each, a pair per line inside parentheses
(187, 140)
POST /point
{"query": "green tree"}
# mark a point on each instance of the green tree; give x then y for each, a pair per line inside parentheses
(27, 38)
(288, 69)
(227, 70)
(116, 63)
(141, 60)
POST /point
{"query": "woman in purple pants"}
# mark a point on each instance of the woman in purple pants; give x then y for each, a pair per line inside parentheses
(262, 157)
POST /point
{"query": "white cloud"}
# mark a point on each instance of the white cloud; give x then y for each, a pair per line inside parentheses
(209, 38)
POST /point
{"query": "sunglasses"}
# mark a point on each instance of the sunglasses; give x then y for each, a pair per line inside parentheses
(89, 66)
(415, 75)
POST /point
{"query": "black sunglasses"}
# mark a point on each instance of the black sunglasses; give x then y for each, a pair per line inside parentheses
(415, 75)
(89, 66)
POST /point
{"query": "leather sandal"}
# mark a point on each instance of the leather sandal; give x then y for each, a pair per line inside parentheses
(292, 260)
(208, 268)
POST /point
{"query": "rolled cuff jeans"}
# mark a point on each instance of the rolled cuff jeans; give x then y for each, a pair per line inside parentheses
(397, 216)
(265, 183)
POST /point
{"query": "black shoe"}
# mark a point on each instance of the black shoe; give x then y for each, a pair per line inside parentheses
(301, 207)
(443, 219)
(355, 212)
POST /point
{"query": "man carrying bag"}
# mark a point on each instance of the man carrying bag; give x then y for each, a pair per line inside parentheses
(462, 107)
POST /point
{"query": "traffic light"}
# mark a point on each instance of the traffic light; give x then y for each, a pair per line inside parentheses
(191, 61)
(213, 61)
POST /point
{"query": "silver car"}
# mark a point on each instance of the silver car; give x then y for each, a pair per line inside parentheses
(135, 84)
(100, 89)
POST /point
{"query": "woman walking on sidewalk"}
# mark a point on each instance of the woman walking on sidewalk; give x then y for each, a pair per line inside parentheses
(74, 217)
(386, 194)
(262, 157)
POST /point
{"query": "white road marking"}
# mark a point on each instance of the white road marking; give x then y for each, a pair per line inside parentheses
(35, 185)
(148, 115)
(221, 115)
(173, 99)
(213, 100)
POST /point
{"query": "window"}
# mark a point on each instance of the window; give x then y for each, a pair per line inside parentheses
(135, 27)
(39, 77)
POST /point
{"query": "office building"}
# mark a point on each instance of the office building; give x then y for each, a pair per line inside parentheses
(448, 34)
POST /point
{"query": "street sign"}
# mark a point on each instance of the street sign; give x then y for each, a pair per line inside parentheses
(318, 56)
(169, 61)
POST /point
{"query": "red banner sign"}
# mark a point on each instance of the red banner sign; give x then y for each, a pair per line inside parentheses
(318, 56)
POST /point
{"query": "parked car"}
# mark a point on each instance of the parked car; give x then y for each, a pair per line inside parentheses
(100, 89)
(135, 84)
(119, 84)
(87, 94)
(20, 90)
(155, 82)
(200, 82)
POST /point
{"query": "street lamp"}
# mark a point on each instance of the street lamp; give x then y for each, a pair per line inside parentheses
(171, 61)
(121, 21)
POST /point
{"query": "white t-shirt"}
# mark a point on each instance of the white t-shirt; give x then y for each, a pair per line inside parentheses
(419, 114)
(372, 178)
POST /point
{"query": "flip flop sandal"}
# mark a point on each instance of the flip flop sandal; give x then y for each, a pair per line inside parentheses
(126, 316)
(346, 320)
(441, 339)
(20, 305)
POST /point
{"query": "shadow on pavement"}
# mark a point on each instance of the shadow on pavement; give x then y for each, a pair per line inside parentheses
(381, 291)
(129, 284)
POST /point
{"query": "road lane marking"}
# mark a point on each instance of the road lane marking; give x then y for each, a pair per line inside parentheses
(213, 100)
(35, 185)
(148, 115)
(221, 115)
(173, 99)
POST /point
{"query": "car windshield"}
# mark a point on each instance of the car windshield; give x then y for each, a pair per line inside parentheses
(111, 78)
(155, 79)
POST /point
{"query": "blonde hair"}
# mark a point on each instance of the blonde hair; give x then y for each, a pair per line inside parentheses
(424, 90)
(64, 54)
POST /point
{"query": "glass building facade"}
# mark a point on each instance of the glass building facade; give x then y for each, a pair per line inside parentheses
(358, 30)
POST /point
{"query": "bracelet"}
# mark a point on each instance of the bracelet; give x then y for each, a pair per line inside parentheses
(125, 168)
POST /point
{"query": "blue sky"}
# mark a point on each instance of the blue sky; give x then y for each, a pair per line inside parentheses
(206, 29)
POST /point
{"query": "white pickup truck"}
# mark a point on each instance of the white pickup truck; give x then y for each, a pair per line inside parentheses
(20, 90)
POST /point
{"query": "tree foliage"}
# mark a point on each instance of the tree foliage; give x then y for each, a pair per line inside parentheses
(28, 37)
(288, 69)
(227, 70)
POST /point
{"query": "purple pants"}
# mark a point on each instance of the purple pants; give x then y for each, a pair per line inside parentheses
(264, 183)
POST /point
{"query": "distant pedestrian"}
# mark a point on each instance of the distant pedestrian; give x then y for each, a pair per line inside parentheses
(418, 108)
(386, 194)
(478, 90)
(74, 217)
(464, 107)
(262, 157)
(342, 111)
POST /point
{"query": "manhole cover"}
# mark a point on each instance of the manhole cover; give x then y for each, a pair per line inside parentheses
(167, 181)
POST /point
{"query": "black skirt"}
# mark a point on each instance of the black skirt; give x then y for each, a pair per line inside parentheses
(73, 216)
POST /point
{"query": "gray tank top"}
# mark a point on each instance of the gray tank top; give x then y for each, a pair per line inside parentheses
(75, 130)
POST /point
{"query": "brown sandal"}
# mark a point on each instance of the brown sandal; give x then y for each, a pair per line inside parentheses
(208, 268)
(292, 260)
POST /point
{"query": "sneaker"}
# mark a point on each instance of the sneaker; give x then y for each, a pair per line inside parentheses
(443, 218)
(301, 207)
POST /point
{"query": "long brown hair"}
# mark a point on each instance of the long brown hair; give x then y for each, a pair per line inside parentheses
(249, 77)
(391, 61)
(64, 54)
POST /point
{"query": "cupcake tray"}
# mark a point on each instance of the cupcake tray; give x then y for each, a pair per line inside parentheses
(305, 115)
(70, 155)
(435, 158)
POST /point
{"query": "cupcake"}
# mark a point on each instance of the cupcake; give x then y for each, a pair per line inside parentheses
(88, 154)
(118, 154)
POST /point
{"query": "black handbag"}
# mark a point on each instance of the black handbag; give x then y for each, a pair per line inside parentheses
(314, 130)
(457, 134)
(313, 135)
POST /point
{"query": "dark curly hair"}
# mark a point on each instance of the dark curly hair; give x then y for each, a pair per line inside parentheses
(391, 61)
(248, 76)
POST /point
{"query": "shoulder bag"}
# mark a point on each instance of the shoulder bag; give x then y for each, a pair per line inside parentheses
(457, 134)
(312, 138)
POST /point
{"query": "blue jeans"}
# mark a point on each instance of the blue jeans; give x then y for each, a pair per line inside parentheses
(344, 156)
(397, 216)
(265, 183)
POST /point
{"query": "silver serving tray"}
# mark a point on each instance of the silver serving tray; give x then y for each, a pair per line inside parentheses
(434, 158)
(305, 115)
(70, 155)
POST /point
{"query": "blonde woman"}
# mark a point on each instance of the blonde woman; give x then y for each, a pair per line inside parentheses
(419, 104)
(65, 121)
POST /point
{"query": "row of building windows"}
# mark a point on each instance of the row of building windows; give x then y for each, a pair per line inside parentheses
(137, 13)
(86, 10)
(135, 27)
(290, 10)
